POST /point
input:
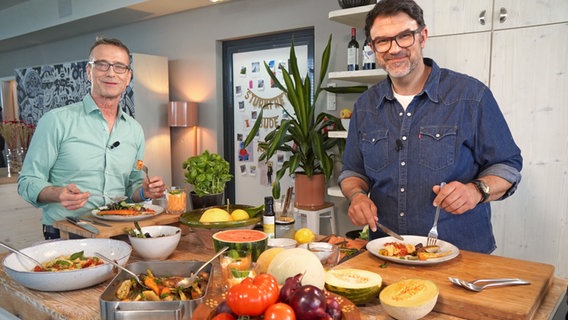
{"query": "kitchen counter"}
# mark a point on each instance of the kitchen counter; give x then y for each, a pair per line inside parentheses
(84, 304)
(4, 179)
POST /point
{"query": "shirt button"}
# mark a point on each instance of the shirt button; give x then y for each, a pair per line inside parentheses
(403, 163)
(401, 214)
(404, 138)
(401, 114)
(437, 135)
(409, 114)
(402, 189)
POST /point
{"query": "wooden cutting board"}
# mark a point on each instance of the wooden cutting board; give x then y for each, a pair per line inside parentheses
(510, 302)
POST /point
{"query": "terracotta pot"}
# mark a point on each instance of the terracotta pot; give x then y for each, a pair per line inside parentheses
(209, 200)
(310, 191)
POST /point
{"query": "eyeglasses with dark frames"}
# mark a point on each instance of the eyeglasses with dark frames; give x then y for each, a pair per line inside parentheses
(404, 39)
(104, 66)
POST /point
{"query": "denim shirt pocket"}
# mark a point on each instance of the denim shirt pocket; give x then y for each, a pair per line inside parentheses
(374, 146)
(437, 146)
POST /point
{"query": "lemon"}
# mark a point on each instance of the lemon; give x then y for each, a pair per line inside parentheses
(304, 235)
(215, 215)
(239, 214)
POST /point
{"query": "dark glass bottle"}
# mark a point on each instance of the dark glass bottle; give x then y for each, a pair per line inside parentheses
(268, 218)
(353, 52)
(368, 57)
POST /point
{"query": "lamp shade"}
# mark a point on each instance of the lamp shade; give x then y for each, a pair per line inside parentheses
(182, 114)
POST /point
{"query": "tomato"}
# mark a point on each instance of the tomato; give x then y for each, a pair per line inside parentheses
(279, 311)
(252, 297)
(224, 316)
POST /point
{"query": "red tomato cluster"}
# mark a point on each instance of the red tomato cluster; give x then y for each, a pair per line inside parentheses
(261, 296)
(254, 297)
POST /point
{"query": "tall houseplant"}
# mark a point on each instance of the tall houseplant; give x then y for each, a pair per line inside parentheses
(303, 134)
(208, 173)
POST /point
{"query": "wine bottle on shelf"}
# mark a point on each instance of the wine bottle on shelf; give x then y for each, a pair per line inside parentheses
(368, 57)
(353, 52)
(268, 218)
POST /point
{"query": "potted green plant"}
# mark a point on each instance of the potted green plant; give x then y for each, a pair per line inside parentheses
(303, 134)
(208, 173)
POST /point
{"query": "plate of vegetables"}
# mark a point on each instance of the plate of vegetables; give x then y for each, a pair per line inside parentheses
(69, 264)
(412, 250)
(123, 211)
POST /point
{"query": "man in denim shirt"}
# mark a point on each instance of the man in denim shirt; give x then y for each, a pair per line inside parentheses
(421, 126)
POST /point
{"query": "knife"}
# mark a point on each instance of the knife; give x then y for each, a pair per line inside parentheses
(83, 225)
(390, 232)
(94, 222)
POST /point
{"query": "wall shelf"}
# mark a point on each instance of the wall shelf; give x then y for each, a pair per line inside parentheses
(354, 17)
(362, 76)
(334, 191)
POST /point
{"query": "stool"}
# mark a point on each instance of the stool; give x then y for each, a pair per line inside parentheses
(313, 215)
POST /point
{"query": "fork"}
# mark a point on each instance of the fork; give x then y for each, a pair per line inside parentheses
(145, 169)
(433, 233)
(473, 287)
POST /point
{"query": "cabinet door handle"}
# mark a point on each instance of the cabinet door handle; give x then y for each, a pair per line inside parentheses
(502, 15)
(482, 18)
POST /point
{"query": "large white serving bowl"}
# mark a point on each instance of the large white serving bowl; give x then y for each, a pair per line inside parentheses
(20, 268)
(163, 242)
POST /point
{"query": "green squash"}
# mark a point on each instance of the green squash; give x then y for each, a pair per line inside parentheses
(359, 286)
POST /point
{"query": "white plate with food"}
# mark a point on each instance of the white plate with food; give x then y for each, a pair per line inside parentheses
(91, 273)
(127, 212)
(394, 250)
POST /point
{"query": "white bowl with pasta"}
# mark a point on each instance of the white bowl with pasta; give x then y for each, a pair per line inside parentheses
(21, 269)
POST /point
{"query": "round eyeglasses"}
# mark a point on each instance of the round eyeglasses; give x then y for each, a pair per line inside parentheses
(404, 39)
(104, 66)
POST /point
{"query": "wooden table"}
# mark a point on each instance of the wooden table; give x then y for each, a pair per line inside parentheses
(116, 227)
(84, 304)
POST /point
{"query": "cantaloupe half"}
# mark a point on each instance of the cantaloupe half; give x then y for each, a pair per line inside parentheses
(359, 286)
(409, 299)
(290, 262)
(265, 259)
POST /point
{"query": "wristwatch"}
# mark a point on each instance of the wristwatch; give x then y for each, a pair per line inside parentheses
(483, 188)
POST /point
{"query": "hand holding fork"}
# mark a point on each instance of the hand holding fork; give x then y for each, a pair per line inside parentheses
(141, 166)
(433, 234)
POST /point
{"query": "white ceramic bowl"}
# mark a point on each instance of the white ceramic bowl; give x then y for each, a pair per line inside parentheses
(163, 242)
(19, 268)
(285, 243)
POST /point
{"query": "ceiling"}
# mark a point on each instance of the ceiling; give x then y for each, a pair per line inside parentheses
(25, 23)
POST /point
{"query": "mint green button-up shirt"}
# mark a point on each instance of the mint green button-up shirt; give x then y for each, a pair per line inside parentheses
(72, 144)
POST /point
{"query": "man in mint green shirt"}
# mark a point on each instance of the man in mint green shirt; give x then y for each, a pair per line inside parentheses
(89, 147)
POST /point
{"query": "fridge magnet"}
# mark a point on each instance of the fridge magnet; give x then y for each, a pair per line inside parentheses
(245, 153)
(243, 168)
(271, 65)
(243, 71)
(238, 91)
(260, 85)
(241, 106)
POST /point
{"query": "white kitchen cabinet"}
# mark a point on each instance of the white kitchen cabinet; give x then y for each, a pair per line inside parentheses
(520, 53)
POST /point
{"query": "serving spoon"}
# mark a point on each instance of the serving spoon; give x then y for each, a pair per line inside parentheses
(16, 251)
(134, 275)
(187, 282)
